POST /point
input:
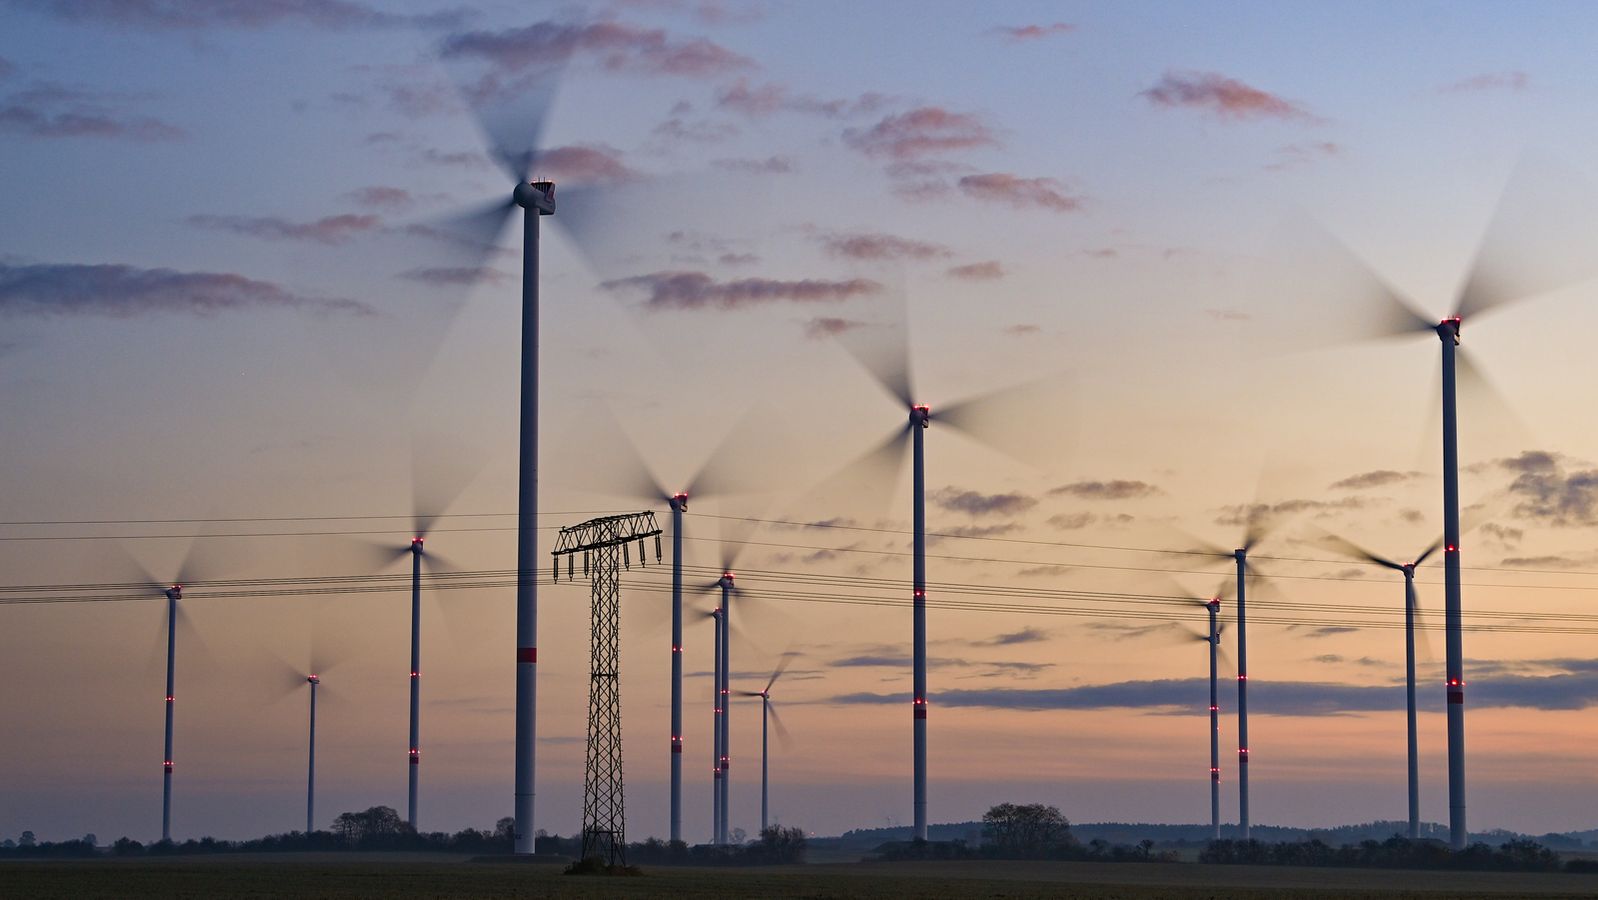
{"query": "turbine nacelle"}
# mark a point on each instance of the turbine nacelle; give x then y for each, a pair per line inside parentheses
(1214, 604)
(416, 545)
(175, 592)
(920, 415)
(313, 679)
(725, 581)
(539, 195)
(678, 501)
(1449, 328)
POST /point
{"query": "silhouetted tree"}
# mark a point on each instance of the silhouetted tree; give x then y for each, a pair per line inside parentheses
(1026, 831)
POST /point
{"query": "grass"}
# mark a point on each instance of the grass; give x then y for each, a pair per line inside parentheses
(347, 876)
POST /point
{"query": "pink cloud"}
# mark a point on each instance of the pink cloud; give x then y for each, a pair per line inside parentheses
(920, 132)
(1293, 156)
(759, 101)
(327, 230)
(1021, 330)
(771, 165)
(1228, 98)
(1492, 81)
(878, 246)
(990, 270)
(1024, 193)
(615, 45)
(697, 290)
(381, 197)
(823, 327)
(584, 163)
(1022, 33)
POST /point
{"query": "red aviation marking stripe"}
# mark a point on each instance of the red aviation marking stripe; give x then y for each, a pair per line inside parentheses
(527, 654)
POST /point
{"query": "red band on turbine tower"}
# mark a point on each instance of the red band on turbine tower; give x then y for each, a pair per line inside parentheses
(527, 654)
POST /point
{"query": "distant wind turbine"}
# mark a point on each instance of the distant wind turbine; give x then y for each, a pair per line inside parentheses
(768, 716)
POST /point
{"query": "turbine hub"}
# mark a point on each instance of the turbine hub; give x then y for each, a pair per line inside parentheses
(1449, 328)
(921, 415)
(539, 195)
(313, 679)
(175, 592)
(679, 501)
(1214, 604)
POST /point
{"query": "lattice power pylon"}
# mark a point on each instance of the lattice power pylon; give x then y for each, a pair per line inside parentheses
(604, 545)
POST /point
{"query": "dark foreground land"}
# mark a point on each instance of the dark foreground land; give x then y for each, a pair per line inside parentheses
(393, 875)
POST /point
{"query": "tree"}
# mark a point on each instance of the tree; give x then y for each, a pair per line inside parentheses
(91, 840)
(1026, 831)
(375, 823)
(739, 836)
(27, 840)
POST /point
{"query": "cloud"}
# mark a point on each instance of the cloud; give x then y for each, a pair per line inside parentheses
(1227, 98)
(677, 128)
(1292, 156)
(1247, 513)
(1022, 193)
(49, 110)
(197, 14)
(922, 131)
(990, 270)
(760, 101)
(976, 504)
(1320, 631)
(822, 327)
(585, 163)
(878, 246)
(616, 46)
(1570, 690)
(1115, 489)
(1374, 479)
(1072, 521)
(330, 230)
(1491, 81)
(980, 531)
(876, 660)
(454, 276)
(771, 165)
(1023, 33)
(1035, 571)
(1027, 635)
(1022, 330)
(123, 291)
(1544, 490)
(697, 290)
(1502, 533)
(381, 197)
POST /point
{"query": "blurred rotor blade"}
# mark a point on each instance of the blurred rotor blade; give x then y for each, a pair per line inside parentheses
(784, 739)
(740, 462)
(123, 568)
(441, 469)
(883, 350)
(1028, 422)
(867, 482)
(1493, 414)
(365, 555)
(735, 532)
(782, 666)
(1337, 290)
(436, 563)
(510, 103)
(1540, 239)
(1435, 546)
(1192, 545)
(1423, 641)
(637, 235)
(1351, 549)
(615, 461)
(194, 652)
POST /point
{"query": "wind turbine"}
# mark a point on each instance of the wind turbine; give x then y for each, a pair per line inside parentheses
(715, 734)
(314, 681)
(187, 573)
(889, 365)
(1411, 610)
(768, 716)
(1254, 533)
(1540, 239)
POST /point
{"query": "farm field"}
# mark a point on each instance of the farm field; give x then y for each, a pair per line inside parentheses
(371, 876)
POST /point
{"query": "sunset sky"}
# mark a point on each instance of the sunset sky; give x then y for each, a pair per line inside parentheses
(227, 320)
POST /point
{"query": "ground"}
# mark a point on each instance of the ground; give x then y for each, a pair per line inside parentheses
(342, 876)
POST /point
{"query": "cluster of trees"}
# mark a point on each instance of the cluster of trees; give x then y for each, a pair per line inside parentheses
(382, 828)
(1519, 855)
(1022, 831)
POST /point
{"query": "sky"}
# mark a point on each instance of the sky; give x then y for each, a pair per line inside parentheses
(236, 327)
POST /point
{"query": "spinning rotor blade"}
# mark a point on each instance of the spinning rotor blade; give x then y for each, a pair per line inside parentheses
(782, 666)
(1349, 548)
(1026, 422)
(784, 739)
(1435, 546)
(868, 481)
(440, 471)
(1540, 239)
(1366, 306)
(884, 351)
(509, 102)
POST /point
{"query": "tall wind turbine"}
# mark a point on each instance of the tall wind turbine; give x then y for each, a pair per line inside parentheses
(314, 681)
(889, 364)
(1251, 538)
(724, 625)
(768, 717)
(1540, 239)
(1410, 613)
(172, 591)
(716, 734)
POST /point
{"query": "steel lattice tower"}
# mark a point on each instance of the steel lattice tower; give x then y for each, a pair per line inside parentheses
(603, 544)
